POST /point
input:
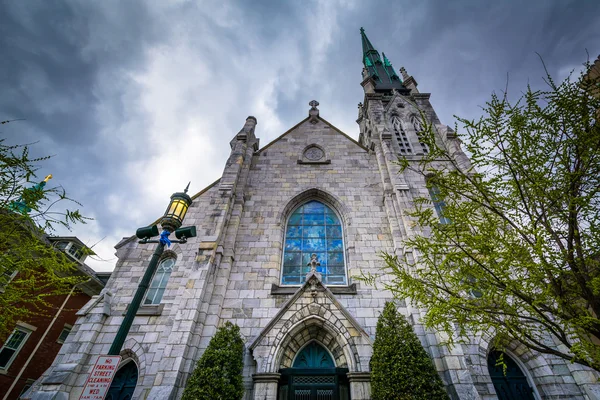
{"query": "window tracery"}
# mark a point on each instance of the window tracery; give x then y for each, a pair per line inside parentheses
(401, 136)
(418, 125)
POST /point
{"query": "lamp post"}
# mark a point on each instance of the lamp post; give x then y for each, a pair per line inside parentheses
(170, 222)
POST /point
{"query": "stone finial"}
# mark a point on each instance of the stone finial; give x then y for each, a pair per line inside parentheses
(313, 113)
(404, 73)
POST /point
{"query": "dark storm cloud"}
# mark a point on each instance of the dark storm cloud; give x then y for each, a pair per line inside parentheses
(124, 93)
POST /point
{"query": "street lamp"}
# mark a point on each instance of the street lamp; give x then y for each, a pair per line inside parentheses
(170, 222)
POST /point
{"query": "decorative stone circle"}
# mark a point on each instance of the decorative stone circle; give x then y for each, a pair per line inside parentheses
(314, 153)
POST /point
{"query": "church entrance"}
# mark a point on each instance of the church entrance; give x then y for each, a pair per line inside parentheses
(313, 376)
(510, 386)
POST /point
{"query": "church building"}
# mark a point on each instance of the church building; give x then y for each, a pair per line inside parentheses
(281, 237)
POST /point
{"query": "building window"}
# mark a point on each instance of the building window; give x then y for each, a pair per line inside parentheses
(6, 276)
(75, 251)
(401, 137)
(313, 228)
(12, 346)
(438, 203)
(28, 384)
(64, 333)
(159, 283)
(418, 125)
(71, 249)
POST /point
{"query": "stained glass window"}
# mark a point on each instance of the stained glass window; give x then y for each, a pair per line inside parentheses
(313, 228)
(159, 283)
(439, 204)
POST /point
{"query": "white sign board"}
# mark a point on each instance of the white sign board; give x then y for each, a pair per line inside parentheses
(100, 378)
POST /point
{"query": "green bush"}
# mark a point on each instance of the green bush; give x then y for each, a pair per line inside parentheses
(400, 366)
(218, 374)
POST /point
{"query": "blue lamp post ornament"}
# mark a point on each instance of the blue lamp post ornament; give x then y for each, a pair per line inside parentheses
(170, 222)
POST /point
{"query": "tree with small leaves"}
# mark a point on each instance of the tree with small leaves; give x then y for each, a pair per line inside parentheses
(32, 272)
(218, 374)
(518, 257)
(400, 366)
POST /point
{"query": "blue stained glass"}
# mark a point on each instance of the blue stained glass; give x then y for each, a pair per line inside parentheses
(335, 279)
(314, 219)
(292, 270)
(311, 244)
(295, 219)
(291, 280)
(334, 232)
(335, 258)
(332, 219)
(292, 259)
(313, 228)
(336, 270)
(335, 245)
(314, 207)
(293, 244)
(294, 231)
(314, 231)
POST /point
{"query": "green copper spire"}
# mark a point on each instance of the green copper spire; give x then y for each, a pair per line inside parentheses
(368, 48)
(381, 71)
(369, 52)
(386, 62)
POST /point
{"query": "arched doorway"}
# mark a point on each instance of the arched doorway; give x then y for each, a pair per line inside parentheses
(124, 383)
(510, 386)
(313, 376)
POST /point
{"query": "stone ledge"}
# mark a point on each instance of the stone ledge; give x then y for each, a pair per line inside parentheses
(359, 376)
(146, 309)
(277, 290)
(266, 377)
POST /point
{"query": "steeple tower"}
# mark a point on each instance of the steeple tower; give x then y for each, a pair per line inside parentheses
(381, 72)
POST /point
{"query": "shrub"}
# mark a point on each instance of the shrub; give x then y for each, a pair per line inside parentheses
(400, 366)
(218, 374)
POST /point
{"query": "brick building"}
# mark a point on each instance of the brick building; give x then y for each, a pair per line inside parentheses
(33, 344)
(280, 236)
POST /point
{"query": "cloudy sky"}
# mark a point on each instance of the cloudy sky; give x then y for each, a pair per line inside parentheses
(136, 98)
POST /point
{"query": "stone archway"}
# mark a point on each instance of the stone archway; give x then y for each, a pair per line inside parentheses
(314, 332)
(312, 314)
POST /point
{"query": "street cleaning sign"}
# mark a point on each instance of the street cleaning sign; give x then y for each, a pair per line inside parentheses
(100, 378)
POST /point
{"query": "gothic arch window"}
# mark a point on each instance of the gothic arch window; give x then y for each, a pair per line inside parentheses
(401, 136)
(438, 203)
(124, 382)
(313, 228)
(417, 123)
(159, 282)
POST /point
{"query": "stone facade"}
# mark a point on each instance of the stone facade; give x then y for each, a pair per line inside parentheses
(232, 270)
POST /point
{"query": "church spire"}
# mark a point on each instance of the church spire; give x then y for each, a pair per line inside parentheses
(370, 55)
(381, 71)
